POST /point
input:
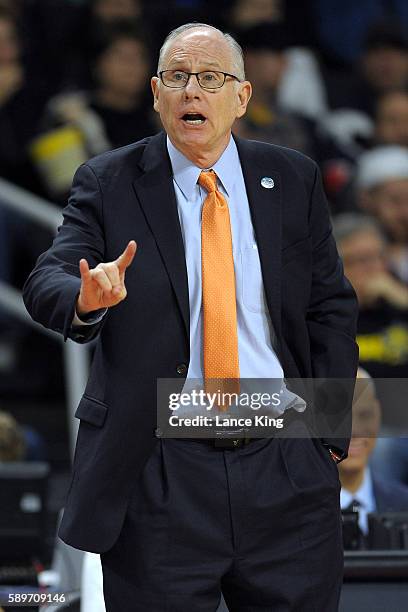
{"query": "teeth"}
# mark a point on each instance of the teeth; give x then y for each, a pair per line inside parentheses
(195, 121)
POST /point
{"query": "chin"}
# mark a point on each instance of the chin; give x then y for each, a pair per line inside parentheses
(352, 464)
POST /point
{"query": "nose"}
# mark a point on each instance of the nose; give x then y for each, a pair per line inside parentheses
(192, 89)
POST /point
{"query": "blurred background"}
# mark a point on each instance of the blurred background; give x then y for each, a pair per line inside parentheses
(330, 79)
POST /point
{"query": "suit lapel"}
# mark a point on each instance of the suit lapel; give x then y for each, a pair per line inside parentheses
(155, 192)
(266, 212)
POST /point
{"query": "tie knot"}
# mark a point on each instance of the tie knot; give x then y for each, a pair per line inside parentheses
(208, 180)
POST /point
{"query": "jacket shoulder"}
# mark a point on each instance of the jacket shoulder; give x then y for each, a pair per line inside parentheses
(390, 496)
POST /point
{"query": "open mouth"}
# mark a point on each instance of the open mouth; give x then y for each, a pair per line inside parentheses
(193, 118)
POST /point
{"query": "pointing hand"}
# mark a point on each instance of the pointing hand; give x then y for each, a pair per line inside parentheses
(104, 286)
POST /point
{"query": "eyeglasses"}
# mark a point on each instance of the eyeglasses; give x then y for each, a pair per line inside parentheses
(208, 79)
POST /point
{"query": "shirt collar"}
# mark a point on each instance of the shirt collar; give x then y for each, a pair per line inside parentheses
(186, 174)
(364, 494)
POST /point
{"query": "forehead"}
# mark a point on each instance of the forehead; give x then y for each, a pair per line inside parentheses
(392, 186)
(203, 46)
(361, 239)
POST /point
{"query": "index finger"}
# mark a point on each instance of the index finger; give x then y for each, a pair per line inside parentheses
(124, 260)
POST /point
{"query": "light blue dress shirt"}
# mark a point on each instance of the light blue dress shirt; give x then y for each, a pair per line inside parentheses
(257, 358)
(365, 497)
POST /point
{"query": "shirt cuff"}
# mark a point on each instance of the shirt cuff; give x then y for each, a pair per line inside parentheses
(89, 319)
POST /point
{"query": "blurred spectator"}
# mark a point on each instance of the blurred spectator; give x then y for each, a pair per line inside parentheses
(62, 35)
(381, 67)
(382, 191)
(108, 11)
(361, 485)
(22, 100)
(20, 442)
(12, 443)
(245, 14)
(265, 61)
(116, 112)
(382, 328)
(391, 118)
(295, 16)
(271, 116)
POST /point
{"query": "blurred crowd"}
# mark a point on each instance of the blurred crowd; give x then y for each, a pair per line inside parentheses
(330, 79)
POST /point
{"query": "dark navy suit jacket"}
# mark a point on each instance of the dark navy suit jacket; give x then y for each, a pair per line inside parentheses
(128, 194)
(390, 496)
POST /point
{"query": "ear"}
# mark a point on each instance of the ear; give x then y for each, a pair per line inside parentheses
(244, 95)
(154, 83)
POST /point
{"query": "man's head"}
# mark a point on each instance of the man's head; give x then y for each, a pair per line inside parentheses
(264, 45)
(246, 13)
(9, 43)
(391, 121)
(197, 120)
(366, 420)
(385, 57)
(12, 444)
(363, 250)
(382, 189)
(120, 64)
(109, 11)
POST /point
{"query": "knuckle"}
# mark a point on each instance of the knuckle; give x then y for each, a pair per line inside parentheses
(110, 266)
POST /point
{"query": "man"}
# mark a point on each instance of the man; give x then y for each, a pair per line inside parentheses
(391, 118)
(382, 328)
(361, 486)
(177, 521)
(382, 190)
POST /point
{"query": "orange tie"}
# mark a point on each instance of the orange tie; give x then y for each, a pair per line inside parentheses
(221, 363)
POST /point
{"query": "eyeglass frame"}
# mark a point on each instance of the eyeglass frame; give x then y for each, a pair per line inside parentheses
(189, 74)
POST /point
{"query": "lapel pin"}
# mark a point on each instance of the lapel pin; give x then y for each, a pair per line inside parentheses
(267, 182)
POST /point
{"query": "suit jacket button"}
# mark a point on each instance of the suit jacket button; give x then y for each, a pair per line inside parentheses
(158, 432)
(181, 369)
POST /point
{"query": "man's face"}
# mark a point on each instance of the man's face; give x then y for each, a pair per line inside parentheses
(111, 10)
(123, 67)
(265, 68)
(392, 119)
(386, 68)
(390, 205)
(9, 46)
(197, 50)
(366, 418)
(363, 255)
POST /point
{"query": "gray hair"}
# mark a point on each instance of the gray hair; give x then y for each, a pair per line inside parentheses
(236, 50)
(346, 225)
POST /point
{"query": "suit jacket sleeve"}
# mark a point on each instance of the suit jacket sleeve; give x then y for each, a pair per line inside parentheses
(51, 290)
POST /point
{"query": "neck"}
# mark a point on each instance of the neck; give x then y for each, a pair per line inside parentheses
(204, 159)
(116, 100)
(351, 481)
